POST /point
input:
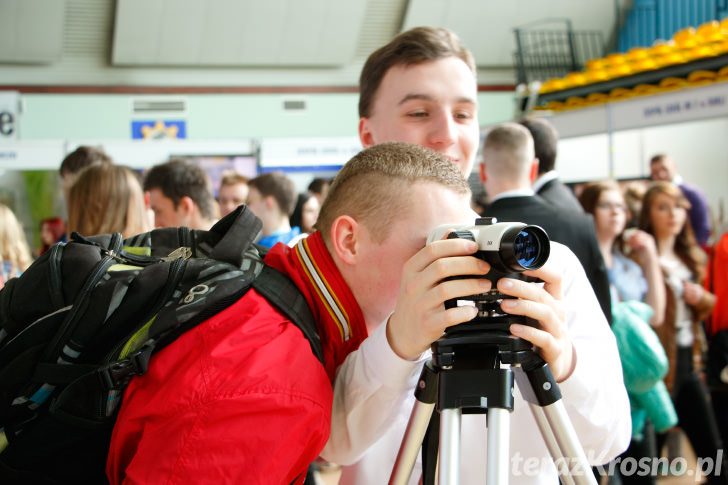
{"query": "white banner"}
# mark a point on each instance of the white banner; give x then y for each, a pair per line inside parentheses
(316, 153)
(673, 107)
(31, 155)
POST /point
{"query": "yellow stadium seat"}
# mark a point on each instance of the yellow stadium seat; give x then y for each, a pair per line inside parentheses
(596, 76)
(701, 77)
(551, 85)
(698, 52)
(596, 64)
(671, 59)
(685, 38)
(646, 64)
(642, 89)
(617, 94)
(709, 32)
(575, 79)
(619, 70)
(661, 48)
(637, 54)
(672, 83)
(597, 98)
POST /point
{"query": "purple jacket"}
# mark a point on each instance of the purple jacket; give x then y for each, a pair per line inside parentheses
(699, 212)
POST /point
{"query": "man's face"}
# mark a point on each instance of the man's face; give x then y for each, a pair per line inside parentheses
(433, 104)
(379, 271)
(256, 202)
(165, 213)
(662, 169)
(231, 196)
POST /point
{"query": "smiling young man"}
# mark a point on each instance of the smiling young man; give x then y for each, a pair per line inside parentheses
(421, 88)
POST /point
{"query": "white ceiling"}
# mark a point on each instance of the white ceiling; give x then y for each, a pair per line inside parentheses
(255, 42)
(290, 33)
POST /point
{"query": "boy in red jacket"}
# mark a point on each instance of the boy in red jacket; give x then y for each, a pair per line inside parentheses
(241, 398)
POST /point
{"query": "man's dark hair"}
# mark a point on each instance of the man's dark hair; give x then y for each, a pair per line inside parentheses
(318, 185)
(414, 46)
(181, 178)
(82, 157)
(280, 187)
(545, 140)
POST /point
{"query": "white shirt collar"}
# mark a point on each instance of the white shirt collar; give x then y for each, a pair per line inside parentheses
(543, 179)
(513, 193)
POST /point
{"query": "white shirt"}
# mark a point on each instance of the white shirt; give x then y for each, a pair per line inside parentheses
(676, 273)
(374, 396)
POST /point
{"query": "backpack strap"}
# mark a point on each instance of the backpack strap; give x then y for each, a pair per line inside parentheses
(237, 231)
(281, 291)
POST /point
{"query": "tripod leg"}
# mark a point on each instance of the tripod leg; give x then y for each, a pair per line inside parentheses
(413, 436)
(449, 468)
(498, 446)
(551, 443)
(573, 461)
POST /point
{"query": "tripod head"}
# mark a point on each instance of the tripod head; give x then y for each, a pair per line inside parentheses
(466, 374)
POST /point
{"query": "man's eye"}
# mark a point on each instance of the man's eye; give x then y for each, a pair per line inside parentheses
(464, 116)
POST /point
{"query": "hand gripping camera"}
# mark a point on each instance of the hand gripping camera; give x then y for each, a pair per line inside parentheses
(509, 247)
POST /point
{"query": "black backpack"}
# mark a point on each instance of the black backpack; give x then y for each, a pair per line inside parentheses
(86, 317)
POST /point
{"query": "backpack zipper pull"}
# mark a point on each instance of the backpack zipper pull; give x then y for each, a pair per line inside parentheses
(183, 252)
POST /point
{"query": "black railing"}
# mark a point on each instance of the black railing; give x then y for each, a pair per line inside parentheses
(551, 49)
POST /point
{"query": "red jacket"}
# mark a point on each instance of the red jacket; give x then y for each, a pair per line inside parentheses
(241, 398)
(716, 281)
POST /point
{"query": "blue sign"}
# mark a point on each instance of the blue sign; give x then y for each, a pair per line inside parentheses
(158, 129)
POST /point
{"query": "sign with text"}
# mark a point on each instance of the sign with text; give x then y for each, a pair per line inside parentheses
(31, 155)
(307, 154)
(673, 107)
(9, 109)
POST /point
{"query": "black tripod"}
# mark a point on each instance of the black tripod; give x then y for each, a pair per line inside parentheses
(465, 376)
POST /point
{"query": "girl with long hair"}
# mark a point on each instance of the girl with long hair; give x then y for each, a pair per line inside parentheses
(14, 251)
(104, 199)
(634, 273)
(52, 230)
(665, 216)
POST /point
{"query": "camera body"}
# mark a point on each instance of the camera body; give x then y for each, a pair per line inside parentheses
(509, 247)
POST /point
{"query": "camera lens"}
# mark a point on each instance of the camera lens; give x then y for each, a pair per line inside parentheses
(525, 247)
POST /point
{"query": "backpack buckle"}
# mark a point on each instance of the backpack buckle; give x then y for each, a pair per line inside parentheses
(116, 375)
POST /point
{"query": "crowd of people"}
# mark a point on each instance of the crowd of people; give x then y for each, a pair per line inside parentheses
(356, 249)
(102, 197)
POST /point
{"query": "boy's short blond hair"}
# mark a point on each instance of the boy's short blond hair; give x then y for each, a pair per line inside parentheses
(373, 187)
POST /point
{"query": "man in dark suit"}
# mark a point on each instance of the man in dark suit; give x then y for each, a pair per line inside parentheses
(547, 184)
(507, 170)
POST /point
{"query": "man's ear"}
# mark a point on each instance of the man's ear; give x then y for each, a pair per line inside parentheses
(365, 133)
(186, 205)
(270, 202)
(533, 173)
(345, 234)
(481, 166)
